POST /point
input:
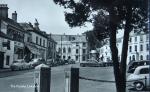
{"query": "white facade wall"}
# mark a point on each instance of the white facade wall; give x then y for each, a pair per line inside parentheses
(138, 54)
(78, 57)
(105, 53)
(65, 45)
(132, 54)
(40, 48)
(7, 52)
(34, 35)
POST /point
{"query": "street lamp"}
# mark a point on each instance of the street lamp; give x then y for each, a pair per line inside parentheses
(137, 55)
(79, 52)
(149, 29)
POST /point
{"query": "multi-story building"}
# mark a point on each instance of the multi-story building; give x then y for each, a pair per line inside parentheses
(36, 40)
(15, 37)
(104, 51)
(79, 48)
(138, 47)
(71, 47)
(51, 49)
(6, 50)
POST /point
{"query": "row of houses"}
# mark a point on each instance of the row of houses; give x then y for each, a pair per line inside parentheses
(138, 47)
(22, 40)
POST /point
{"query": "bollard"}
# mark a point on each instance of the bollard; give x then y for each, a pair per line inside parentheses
(74, 81)
(42, 78)
(67, 80)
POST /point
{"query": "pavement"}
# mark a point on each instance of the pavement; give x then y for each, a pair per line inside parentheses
(5, 70)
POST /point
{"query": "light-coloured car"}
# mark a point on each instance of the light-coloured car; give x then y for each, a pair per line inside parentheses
(134, 64)
(35, 62)
(19, 64)
(140, 78)
(90, 63)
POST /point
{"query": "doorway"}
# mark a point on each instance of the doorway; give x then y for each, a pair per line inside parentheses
(1, 59)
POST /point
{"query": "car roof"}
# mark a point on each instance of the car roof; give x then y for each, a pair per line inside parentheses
(141, 67)
(139, 61)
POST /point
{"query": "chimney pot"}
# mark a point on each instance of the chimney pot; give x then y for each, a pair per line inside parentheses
(14, 16)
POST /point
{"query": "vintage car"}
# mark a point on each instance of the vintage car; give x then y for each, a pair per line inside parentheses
(19, 64)
(140, 77)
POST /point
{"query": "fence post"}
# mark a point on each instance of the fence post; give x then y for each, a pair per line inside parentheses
(42, 78)
(74, 81)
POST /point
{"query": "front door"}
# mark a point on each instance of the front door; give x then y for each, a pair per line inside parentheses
(1, 59)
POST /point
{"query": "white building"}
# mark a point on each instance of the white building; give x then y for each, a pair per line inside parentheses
(12, 35)
(36, 40)
(71, 47)
(105, 52)
(6, 50)
(138, 47)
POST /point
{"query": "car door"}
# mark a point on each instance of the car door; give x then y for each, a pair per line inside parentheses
(144, 73)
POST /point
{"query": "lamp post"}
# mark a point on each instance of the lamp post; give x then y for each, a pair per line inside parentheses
(137, 56)
(79, 52)
(149, 30)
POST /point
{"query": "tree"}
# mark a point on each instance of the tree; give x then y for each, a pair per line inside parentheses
(92, 40)
(130, 13)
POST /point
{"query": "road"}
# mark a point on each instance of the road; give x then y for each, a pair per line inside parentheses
(23, 81)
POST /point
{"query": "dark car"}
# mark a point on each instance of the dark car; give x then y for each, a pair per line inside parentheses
(134, 64)
(90, 62)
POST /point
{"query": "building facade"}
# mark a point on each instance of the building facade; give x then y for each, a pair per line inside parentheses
(138, 47)
(51, 49)
(36, 41)
(12, 35)
(71, 47)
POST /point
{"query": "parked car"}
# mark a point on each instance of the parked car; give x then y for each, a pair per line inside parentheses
(138, 80)
(19, 64)
(71, 61)
(105, 64)
(35, 62)
(134, 64)
(90, 62)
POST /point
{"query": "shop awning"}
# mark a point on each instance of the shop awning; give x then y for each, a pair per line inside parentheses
(33, 51)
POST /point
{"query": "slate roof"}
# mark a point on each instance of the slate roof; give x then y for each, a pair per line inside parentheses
(5, 35)
(12, 23)
(29, 27)
(72, 38)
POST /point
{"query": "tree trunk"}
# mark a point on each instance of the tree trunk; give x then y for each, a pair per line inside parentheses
(124, 58)
(117, 73)
(119, 79)
(125, 46)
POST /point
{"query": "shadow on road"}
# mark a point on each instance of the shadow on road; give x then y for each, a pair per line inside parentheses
(133, 90)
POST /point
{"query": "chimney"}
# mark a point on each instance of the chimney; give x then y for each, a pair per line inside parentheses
(14, 16)
(3, 11)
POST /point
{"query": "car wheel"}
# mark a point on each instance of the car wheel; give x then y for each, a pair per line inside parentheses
(139, 86)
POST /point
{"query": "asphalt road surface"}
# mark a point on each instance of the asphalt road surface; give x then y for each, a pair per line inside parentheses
(23, 81)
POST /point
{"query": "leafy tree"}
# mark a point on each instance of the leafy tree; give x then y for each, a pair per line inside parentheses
(132, 14)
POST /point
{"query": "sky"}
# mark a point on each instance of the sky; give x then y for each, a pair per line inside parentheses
(49, 15)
